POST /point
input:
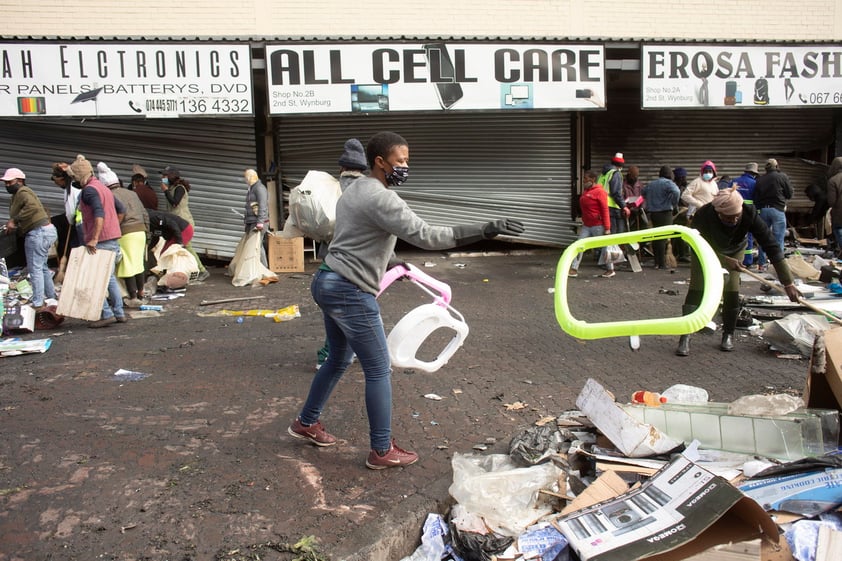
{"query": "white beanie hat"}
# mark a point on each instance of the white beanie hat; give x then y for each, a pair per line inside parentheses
(105, 175)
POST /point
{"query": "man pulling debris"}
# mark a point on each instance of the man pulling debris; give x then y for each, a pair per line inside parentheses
(725, 223)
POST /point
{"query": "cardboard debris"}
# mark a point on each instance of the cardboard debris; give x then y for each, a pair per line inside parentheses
(682, 510)
(631, 437)
(15, 346)
(85, 283)
(824, 383)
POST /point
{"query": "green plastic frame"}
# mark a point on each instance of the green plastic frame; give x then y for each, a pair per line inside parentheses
(677, 325)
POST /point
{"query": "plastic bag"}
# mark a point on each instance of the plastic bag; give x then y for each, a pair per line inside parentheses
(245, 265)
(504, 494)
(795, 333)
(535, 444)
(611, 254)
(174, 259)
(312, 205)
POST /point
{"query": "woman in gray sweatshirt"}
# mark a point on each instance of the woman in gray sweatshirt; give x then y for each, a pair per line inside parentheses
(370, 218)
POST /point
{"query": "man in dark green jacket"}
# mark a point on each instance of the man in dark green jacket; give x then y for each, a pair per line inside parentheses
(724, 223)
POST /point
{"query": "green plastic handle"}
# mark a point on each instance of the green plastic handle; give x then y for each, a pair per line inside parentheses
(676, 325)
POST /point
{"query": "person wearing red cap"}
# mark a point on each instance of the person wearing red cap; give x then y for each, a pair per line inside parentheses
(612, 181)
(30, 220)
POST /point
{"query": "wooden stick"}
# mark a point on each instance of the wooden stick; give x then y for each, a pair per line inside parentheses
(223, 301)
(801, 301)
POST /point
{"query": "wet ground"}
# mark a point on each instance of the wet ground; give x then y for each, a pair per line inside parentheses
(192, 460)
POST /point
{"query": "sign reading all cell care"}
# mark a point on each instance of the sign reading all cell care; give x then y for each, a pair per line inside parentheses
(741, 76)
(119, 79)
(347, 78)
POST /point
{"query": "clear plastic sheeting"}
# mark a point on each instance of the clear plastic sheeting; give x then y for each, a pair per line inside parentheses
(504, 494)
(795, 333)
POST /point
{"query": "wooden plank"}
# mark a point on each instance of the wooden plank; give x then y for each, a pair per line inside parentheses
(85, 283)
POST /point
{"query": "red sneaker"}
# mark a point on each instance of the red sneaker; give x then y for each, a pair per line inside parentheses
(315, 433)
(394, 457)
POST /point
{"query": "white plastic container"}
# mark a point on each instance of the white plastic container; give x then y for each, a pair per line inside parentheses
(684, 394)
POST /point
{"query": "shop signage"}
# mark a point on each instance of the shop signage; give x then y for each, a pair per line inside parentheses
(755, 76)
(122, 79)
(434, 76)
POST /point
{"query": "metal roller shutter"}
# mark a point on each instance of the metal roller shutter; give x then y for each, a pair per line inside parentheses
(464, 167)
(211, 154)
(730, 138)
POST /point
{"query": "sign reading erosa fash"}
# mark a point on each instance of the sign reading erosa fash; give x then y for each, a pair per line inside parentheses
(434, 76)
(680, 76)
(120, 79)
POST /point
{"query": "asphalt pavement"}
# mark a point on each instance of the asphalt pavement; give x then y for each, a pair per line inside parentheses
(192, 459)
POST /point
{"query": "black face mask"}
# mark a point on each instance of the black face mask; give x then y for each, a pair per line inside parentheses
(398, 176)
(12, 188)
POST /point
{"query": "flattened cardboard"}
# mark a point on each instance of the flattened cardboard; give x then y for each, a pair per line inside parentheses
(631, 437)
(679, 512)
(286, 255)
(85, 283)
(825, 390)
(808, 494)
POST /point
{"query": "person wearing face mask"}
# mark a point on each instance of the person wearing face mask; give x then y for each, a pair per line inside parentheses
(701, 190)
(257, 209)
(177, 193)
(370, 217)
(724, 223)
(29, 219)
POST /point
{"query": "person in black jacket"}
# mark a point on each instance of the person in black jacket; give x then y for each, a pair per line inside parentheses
(724, 223)
(174, 229)
(771, 192)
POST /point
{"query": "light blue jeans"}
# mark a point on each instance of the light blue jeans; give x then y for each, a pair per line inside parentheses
(353, 325)
(113, 304)
(837, 234)
(776, 221)
(36, 247)
(587, 232)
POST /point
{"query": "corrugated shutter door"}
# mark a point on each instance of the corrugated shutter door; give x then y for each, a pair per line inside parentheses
(730, 138)
(463, 167)
(211, 154)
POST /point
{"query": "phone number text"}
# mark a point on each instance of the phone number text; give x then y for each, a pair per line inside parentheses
(198, 105)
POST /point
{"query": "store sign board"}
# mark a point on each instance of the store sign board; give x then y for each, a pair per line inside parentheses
(124, 79)
(368, 77)
(742, 76)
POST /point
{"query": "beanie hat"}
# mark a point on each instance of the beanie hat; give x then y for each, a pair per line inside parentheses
(618, 158)
(680, 172)
(771, 164)
(81, 170)
(752, 167)
(13, 173)
(251, 177)
(728, 201)
(138, 170)
(708, 164)
(105, 175)
(354, 155)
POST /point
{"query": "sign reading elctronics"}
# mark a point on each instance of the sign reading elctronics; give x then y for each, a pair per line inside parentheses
(741, 76)
(434, 76)
(125, 79)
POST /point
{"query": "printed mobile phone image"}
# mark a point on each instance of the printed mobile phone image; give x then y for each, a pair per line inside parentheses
(443, 74)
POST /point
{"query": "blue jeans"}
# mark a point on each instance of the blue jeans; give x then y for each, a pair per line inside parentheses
(353, 326)
(36, 246)
(587, 232)
(776, 221)
(113, 303)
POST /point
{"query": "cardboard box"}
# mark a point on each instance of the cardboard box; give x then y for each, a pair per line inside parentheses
(682, 510)
(824, 380)
(19, 319)
(85, 283)
(286, 255)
